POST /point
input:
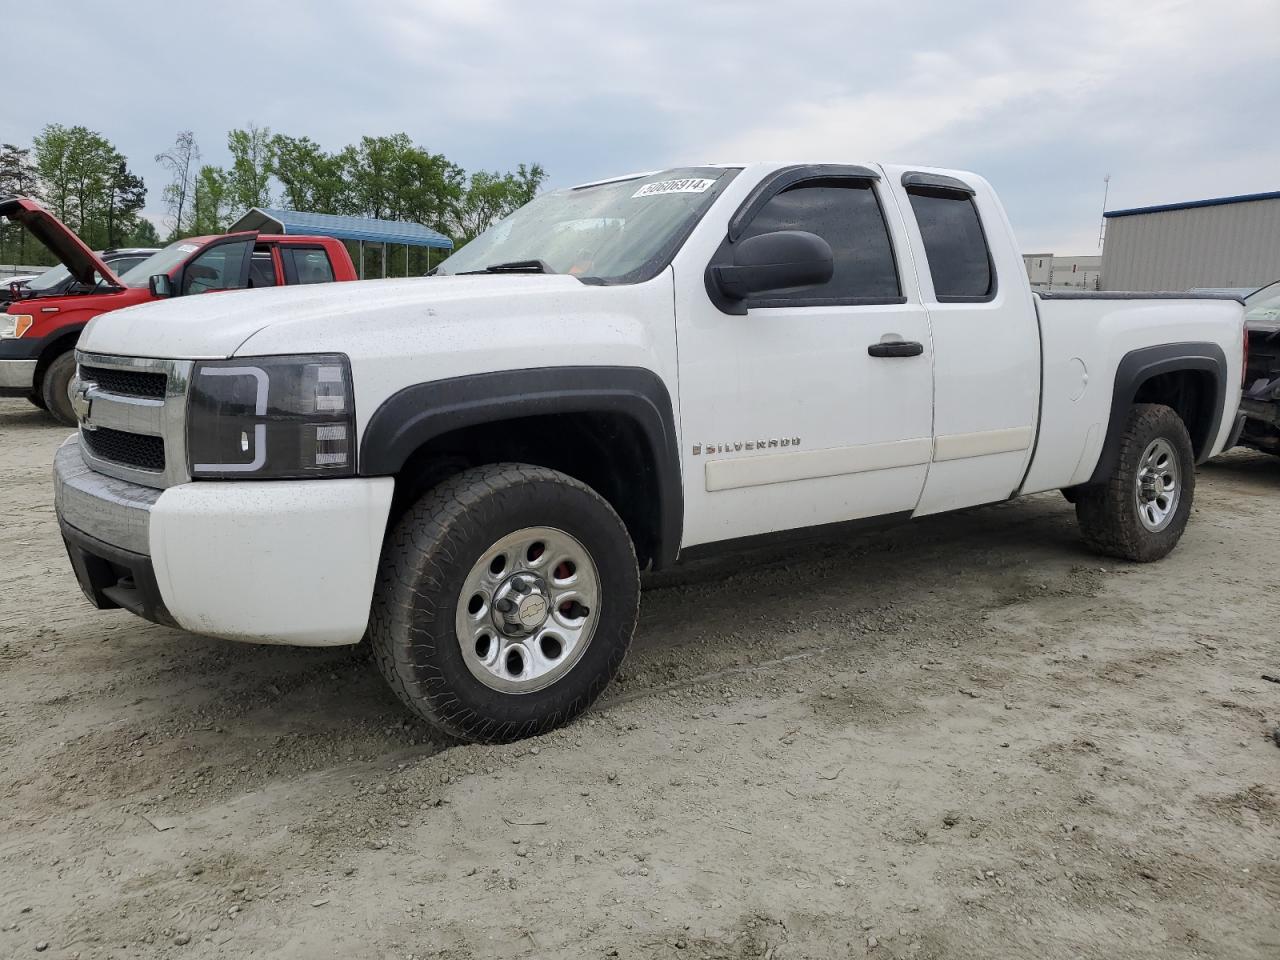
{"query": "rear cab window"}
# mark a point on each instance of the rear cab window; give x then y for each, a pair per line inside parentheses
(955, 243)
(262, 268)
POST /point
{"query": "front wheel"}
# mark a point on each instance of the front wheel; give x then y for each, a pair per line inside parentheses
(55, 388)
(1139, 512)
(505, 602)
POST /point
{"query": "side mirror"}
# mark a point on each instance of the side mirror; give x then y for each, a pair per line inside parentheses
(774, 261)
(160, 285)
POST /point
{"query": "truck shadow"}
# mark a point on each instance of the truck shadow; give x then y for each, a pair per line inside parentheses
(237, 715)
(1245, 464)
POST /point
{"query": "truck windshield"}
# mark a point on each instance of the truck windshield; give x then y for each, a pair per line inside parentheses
(49, 279)
(162, 262)
(625, 231)
(1263, 305)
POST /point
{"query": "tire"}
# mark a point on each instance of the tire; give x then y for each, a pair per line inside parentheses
(55, 387)
(1116, 517)
(436, 602)
(35, 400)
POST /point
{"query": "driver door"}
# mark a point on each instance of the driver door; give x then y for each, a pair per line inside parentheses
(222, 264)
(794, 415)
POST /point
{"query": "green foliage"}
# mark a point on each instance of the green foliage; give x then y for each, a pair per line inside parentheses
(18, 178)
(144, 235)
(491, 196)
(248, 181)
(210, 202)
(85, 181)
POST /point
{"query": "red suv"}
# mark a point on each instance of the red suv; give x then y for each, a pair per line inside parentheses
(38, 334)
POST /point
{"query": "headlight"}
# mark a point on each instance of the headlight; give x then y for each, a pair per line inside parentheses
(271, 418)
(14, 325)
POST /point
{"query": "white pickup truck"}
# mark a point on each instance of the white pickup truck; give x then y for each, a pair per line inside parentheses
(471, 469)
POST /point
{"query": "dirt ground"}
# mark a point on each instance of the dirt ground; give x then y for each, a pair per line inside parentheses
(966, 737)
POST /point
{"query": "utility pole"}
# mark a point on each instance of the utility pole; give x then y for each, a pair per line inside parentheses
(1102, 227)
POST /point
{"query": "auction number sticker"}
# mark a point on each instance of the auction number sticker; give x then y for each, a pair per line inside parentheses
(687, 185)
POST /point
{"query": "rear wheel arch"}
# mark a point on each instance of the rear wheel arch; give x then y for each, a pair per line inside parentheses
(611, 428)
(1190, 378)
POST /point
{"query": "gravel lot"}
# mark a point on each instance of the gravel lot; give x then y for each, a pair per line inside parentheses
(966, 737)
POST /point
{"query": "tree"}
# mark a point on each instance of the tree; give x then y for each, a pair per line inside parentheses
(18, 178)
(210, 209)
(126, 198)
(312, 179)
(491, 196)
(144, 234)
(248, 182)
(182, 160)
(87, 182)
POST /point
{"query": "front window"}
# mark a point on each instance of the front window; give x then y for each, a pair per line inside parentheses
(174, 255)
(619, 232)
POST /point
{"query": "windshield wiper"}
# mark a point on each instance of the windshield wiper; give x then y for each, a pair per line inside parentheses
(513, 266)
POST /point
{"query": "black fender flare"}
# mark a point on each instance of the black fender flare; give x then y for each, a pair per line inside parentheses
(1138, 366)
(418, 413)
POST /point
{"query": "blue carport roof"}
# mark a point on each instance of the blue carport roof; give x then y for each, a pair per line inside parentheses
(267, 220)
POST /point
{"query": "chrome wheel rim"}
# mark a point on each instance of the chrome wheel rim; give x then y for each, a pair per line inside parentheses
(1158, 485)
(528, 610)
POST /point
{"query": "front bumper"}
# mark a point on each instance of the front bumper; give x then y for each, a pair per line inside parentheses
(18, 359)
(285, 561)
(17, 377)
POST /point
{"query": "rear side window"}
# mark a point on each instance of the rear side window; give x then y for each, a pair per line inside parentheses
(955, 245)
(847, 215)
(306, 265)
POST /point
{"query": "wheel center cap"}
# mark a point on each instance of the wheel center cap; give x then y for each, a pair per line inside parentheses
(532, 611)
(521, 605)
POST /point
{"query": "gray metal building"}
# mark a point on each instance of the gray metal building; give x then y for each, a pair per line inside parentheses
(1223, 242)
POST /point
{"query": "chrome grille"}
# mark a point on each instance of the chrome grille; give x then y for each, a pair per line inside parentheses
(133, 417)
(130, 449)
(126, 383)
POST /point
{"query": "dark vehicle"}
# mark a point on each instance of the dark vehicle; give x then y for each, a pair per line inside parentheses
(1261, 400)
(58, 281)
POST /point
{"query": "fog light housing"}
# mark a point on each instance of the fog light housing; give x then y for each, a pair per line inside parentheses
(271, 418)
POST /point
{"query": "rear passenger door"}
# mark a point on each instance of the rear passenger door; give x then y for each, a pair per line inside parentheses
(306, 264)
(985, 338)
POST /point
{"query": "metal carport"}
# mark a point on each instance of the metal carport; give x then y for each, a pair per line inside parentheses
(359, 229)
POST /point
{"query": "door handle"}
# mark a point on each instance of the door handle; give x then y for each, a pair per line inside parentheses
(896, 348)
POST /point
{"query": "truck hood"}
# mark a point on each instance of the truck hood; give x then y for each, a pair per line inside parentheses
(215, 325)
(57, 239)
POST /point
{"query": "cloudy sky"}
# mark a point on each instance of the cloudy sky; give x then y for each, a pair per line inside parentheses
(1175, 99)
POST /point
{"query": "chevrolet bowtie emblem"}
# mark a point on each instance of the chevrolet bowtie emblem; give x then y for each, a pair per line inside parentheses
(80, 401)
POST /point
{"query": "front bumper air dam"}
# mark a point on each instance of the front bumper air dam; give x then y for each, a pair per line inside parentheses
(283, 561)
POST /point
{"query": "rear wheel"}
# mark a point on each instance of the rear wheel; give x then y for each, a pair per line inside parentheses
(1139, 512)
(36, 400)
(505, 603)
(56, 386)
